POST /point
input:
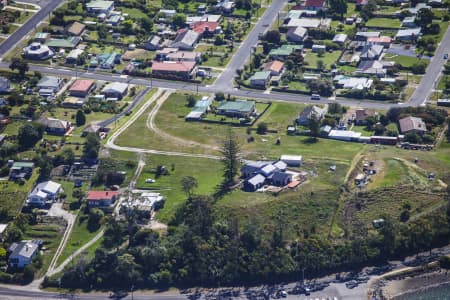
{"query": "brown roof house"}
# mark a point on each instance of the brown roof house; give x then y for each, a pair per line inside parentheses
(412, 124)
(75, 29)
(362, 114)
(55, 126)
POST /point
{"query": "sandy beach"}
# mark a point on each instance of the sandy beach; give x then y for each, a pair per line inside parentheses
(397, 287)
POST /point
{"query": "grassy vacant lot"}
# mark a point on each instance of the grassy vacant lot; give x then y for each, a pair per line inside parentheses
(404, 61)
(328, 59)
(207, 172)
(51, 235)
(80, 235)
(13, 195)
(384, 23)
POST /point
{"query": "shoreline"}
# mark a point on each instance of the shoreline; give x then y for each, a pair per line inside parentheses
(409, 284)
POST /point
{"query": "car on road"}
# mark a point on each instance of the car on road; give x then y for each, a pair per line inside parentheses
(446, 56)
(315, 97)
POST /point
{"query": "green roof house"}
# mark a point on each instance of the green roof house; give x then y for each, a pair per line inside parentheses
(68, 43)
(236, 109)
(282, 52)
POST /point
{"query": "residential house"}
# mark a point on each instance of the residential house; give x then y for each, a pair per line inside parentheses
(91, 128)
(168, 13)
(44, 193)
(315, 5)
(205, 27)
(68, 43)
(280, 165)
(82, 87)
(154, 42)
(72, 102)
(41, 37)
(408, 34)
(55, 126)
(309, 23)
(37, 51)
(250, 169)
(75, 29)
(21, 169)
(182, 70)
(260, 79)
(21, 254)
(5, 85)
(371, 52)
(353, 83)
(296, 34)
(201, 9)
(236, 109)
(409, 22)
(226, 6)
(184, 56)
(114, 20)
(100, 7)
(254, 183)
(412, 124)
(281, 178)
(362, 114)
(73, 56)
(340, 38)
(275, 67)
(107, 60)
(373, 68)
(186, 40)
(384, 41)
(364, 35)
(319, 48)
(161, 55)
(205, 18)
(282, 52)
(311, 111)
(101, 199)
(199, 109)
(116, 90)
(50, 85)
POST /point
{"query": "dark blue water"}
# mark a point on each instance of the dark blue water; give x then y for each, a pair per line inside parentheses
(437, 293)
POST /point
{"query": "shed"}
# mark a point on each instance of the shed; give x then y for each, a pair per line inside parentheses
(292, 160)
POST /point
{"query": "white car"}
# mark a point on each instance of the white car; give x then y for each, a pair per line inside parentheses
(149, 180)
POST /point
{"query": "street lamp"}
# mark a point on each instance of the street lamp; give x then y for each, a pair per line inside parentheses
(132, 289)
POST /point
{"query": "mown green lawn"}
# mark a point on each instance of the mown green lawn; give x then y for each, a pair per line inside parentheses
(405, 61)
(207, 172)
(384, 23)
(79, 236)
(327, 58)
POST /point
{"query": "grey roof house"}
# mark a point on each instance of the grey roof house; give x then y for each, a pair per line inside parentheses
(22, 254)
(308, 113)
(371, 52)
(50, 83)
(186, 40)
(5, 85)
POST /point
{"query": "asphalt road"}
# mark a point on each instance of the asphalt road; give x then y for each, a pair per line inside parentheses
(431, 78)
(225, 80)
(185, 86)
(47, 6)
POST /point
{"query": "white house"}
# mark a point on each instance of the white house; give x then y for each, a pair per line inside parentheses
(408, 34)
(22, 254)
(115, 90)
(340, 38)
(43, 193)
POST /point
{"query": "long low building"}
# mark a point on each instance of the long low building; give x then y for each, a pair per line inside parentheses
(183, 70)
(344, 135)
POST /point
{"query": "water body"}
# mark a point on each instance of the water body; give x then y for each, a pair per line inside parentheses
(434, 293)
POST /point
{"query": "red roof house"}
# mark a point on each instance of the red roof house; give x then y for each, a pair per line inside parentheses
(82, 87)
(202, 27)
(101, 199)
(174, 69)
(314, 4)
